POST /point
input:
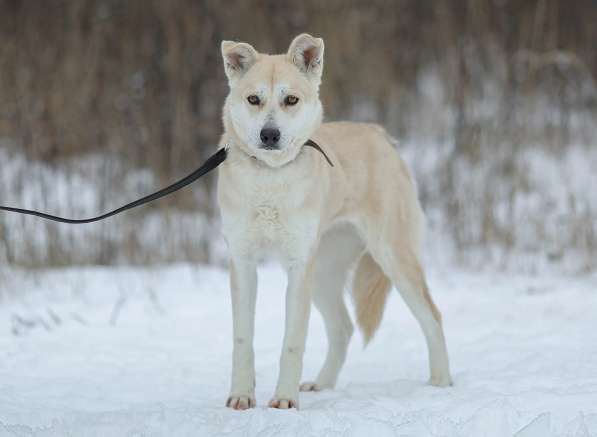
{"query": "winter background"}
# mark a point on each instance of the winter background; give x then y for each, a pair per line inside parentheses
(123, 328)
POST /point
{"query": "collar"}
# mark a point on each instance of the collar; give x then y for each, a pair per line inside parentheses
(311, 143)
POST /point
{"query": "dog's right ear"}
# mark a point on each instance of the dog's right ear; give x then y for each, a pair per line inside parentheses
(238, 58)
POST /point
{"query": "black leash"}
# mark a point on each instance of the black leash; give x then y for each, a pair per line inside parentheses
(212, 162)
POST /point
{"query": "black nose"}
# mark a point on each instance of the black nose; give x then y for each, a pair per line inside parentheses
(269, 137)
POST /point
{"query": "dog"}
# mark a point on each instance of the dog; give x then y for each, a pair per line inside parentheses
(322, 222)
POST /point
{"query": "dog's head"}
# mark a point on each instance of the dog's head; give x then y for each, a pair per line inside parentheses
(273, 106)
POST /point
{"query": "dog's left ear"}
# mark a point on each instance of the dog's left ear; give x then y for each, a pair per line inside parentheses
(306, 52)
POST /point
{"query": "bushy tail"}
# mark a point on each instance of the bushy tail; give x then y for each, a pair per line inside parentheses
(370, 290)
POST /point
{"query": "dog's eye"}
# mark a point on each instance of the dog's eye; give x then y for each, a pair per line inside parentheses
(253, 99)
(291, 100)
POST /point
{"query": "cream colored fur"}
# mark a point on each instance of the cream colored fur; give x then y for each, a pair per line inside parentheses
(319, 221)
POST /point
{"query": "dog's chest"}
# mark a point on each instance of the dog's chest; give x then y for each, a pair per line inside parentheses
(267, 212)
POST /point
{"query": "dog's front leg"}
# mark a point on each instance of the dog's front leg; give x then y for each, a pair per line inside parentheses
(298, 305)
(243, 286)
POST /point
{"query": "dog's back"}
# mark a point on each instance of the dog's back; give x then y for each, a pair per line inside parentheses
(379, 182)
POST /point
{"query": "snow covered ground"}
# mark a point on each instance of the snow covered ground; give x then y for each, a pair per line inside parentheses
(146, 352)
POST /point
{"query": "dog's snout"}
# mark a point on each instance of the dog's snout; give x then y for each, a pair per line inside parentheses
(270, 136)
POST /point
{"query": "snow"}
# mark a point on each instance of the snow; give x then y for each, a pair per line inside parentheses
(147, 351)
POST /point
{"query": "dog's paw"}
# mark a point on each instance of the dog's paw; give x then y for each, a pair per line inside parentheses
(283, 404)
(310, 386)
(240, 402)
(441, 381)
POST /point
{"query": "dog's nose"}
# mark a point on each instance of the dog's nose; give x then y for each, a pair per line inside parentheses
(269, 136)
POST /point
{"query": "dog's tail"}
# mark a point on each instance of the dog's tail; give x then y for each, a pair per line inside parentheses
(370, 290)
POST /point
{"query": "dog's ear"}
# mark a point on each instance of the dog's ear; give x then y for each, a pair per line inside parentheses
(238, 58)
(306, 52)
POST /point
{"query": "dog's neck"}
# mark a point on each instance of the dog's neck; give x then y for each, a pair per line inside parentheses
(281, 160)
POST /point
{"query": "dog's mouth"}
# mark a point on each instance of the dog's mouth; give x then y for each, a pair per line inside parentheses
(269, 146)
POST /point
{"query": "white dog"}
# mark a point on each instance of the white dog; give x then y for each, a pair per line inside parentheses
(321, 221)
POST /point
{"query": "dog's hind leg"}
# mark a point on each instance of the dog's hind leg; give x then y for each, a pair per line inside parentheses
(338, 251)
(398, 257)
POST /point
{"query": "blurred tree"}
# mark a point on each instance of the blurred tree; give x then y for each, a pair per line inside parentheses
(142, 80)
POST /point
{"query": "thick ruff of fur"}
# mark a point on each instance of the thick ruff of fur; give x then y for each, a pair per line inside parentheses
(320, 221)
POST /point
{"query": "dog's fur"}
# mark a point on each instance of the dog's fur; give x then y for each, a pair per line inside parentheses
(319, 221)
